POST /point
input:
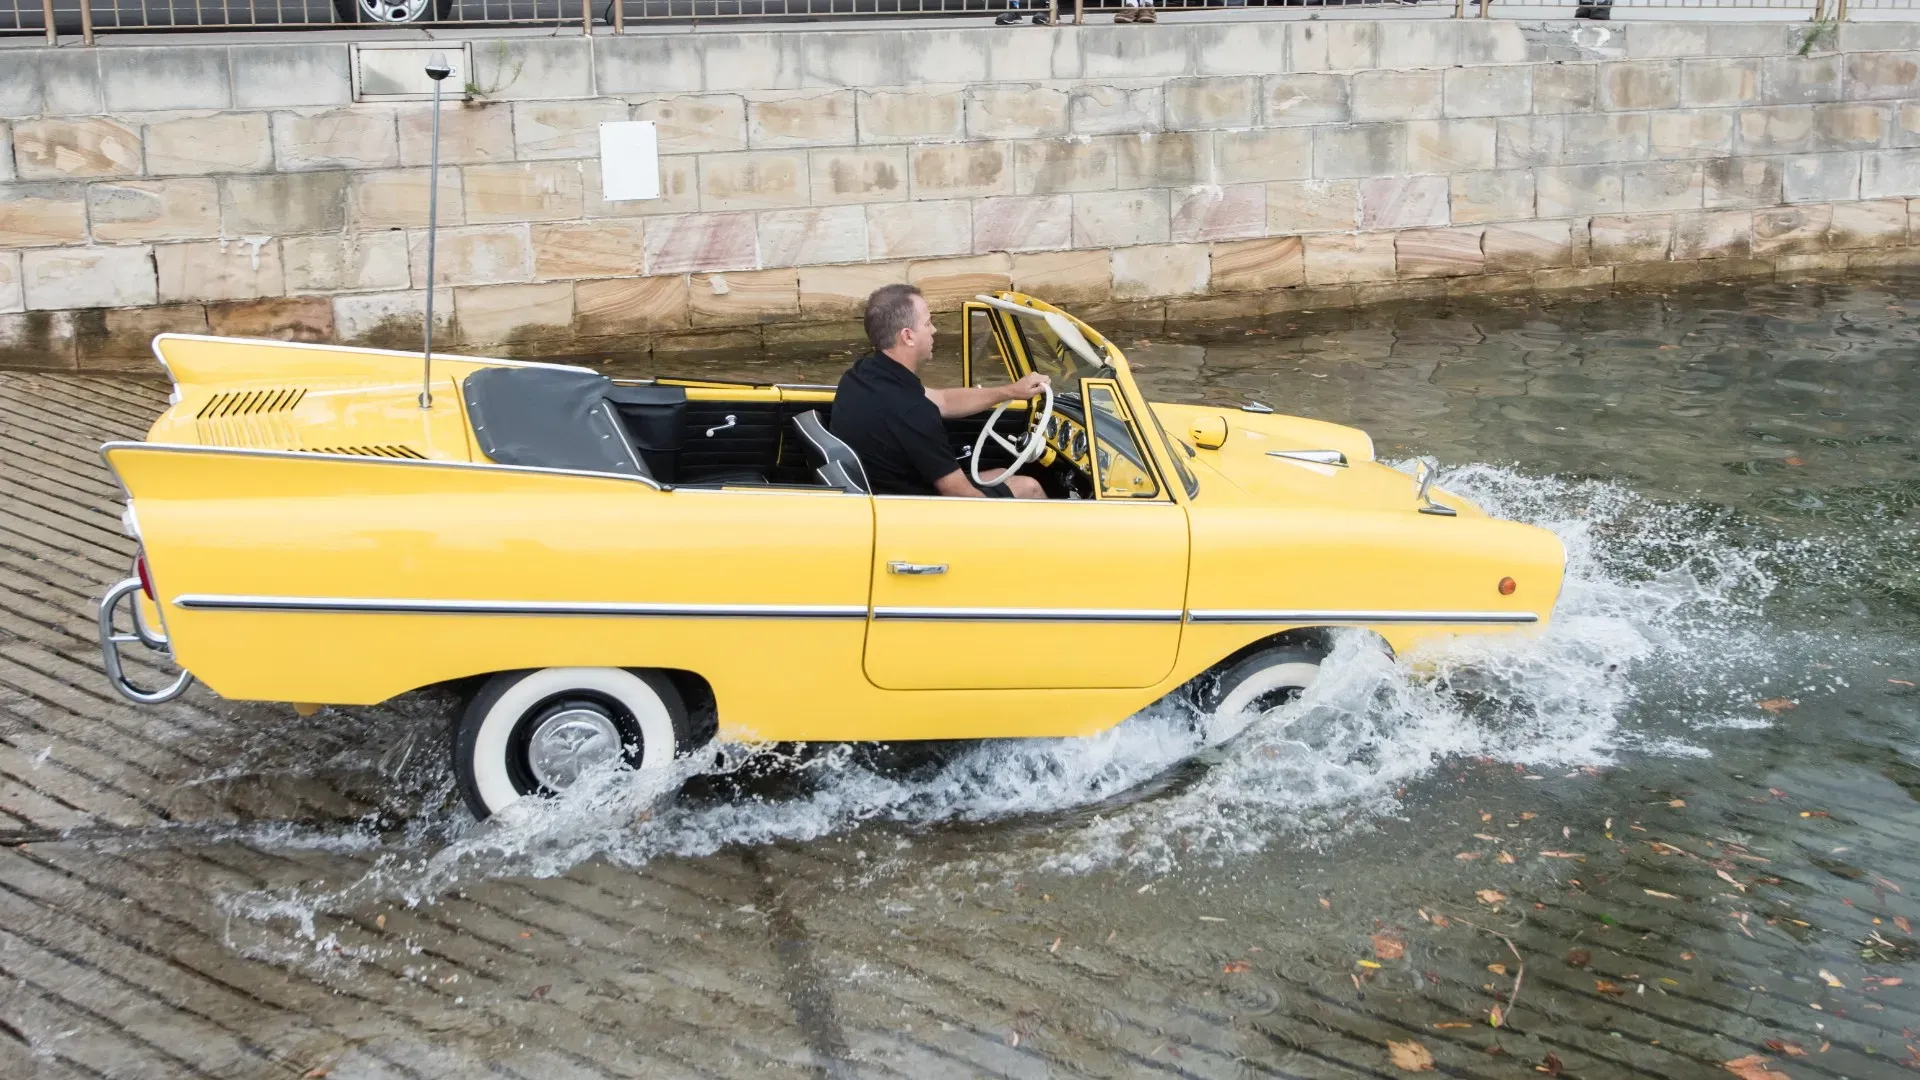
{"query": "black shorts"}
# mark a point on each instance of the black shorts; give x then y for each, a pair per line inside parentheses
(997, 491)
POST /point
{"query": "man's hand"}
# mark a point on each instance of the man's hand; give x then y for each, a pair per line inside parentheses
(1029, 387)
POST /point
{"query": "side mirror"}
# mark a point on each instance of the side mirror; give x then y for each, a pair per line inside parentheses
(1209, 432)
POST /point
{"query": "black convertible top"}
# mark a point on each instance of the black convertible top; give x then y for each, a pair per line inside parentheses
(552, 418)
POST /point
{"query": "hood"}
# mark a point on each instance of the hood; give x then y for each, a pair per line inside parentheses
(1244, 464)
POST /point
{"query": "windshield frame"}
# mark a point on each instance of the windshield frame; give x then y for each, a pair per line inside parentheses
(1093, 349)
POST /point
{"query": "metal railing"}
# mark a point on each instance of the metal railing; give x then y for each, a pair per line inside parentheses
(86, 17)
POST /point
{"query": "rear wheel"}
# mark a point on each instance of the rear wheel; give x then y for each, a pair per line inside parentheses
(1261, 682)
(392, 12)
(536, 732)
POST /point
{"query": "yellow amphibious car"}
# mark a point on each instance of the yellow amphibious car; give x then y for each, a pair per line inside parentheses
(636, 567)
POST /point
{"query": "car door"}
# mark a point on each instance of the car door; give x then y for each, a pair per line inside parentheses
(1018, 594)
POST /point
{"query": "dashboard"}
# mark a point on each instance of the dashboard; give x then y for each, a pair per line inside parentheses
(1105, 456)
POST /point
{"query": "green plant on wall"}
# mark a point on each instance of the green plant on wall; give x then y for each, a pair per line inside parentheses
(504, 76)
(1820, 33)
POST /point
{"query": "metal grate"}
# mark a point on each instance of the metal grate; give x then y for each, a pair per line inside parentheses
(249, 403)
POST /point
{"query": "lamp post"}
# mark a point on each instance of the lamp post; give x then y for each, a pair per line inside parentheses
(437, 70)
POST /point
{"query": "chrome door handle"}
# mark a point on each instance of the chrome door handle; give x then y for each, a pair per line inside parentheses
(731, 421)
(916, 569)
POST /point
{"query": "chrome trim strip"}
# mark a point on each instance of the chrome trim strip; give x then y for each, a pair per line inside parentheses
(314, 346)
(307, 455)
(347, 605)
(1069, 615)
(1362, 617)
(1317, 457)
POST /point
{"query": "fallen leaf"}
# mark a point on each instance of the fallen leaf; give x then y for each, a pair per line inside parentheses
(380, 921)
(1370, 965)
(316, 1072)
(1827, 977)
(1237, 967)
(1467, 856)
(1796, 461)
(1410, 1056)
(1561, 855)
(1055, 947)
(1388, 947)
(1661, 895)
(1441, 921)
(539, 992)
(1497, 969)
(1485, 836)
(526, 934)
(1490, 896)
(1899, 682)
(1677, 803)
(1528, 815)
(1551, 1066)
(1686, 956)
(1891, 981)
(1453, 1024)
(1494, 1017)
(1665, 849)
(1901, 922)
(1754, 1067)
(1602, 986)
(1325, 904)
(1504, 859)
(1728, 878)
(1579, 958)
(1013, 1038)
(1781, 1046)
(1776, 705)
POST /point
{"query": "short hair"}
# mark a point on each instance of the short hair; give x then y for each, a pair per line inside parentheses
(889, 311)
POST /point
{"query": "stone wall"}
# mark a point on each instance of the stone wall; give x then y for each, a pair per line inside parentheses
(1189, 169)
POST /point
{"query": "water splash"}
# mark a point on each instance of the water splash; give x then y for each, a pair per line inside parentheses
(1650, 587)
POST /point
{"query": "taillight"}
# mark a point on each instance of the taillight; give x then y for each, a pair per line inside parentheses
(146, 579)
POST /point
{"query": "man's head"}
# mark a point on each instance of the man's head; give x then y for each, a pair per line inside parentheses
(898, 324)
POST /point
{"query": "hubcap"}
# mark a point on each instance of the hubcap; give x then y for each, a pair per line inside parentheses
(394, 11)
(568, 742)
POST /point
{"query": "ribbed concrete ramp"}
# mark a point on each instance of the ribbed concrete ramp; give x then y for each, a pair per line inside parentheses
(1670, 917)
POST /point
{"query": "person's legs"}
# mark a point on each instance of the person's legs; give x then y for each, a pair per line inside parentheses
(1022, 487)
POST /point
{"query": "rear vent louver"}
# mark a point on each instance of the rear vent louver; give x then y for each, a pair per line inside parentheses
(390, 451)
(249, 403)
(254, 418)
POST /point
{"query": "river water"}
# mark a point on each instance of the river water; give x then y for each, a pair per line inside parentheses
(1688, 817)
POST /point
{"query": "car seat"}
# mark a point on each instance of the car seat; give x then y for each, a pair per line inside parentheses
(833, 461)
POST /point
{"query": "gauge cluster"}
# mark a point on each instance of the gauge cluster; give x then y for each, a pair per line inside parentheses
(1065, 435)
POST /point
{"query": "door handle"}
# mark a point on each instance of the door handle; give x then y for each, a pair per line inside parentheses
(916, 569)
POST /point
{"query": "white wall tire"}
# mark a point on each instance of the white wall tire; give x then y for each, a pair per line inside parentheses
(491, 750)
(1262, 682)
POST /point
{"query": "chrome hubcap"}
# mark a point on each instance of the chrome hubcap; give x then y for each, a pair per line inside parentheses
(569, 742)
(394, 11)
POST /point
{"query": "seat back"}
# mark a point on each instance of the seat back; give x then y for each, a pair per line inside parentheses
(833, 461)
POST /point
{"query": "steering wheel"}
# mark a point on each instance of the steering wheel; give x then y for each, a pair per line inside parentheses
(1026, 449)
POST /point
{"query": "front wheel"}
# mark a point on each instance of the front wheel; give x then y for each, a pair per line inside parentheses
(536, 732)
(392, 12)
(1261, 683)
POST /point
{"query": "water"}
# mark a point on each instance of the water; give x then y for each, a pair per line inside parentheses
(1688, 799)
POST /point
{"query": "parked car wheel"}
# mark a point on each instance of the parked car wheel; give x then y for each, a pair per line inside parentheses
(392, 12)
(535, 732)
(1262, 682)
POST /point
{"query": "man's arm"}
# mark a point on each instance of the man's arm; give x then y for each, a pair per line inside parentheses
(956, 485)
(954, 401)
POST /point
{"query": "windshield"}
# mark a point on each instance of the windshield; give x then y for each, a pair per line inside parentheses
(1052, 356)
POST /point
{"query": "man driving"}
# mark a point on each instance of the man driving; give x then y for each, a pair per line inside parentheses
(892, 420)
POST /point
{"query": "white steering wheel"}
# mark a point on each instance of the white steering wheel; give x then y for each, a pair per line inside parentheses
(1029, 446)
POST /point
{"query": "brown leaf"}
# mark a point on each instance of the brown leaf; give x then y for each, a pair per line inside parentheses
(1551, 1066)
(1677, 803)
(1497, 969)
(1388, 947)
(1899, 682)
(540, 992)
(1237, 967)
(1490, 896)
(1661, 895)
(1664, 849)
(1602, 986)
(1467, 856)
(1781, 1046)
(1561, 855)
(1493, 1017)
(1828, 978)
(1901, 922)
(1579, 958)
(1441, 921)
(1410, 1056)
(1754, 1067)
(1728, 878)
(1503, 859)
(1776, 705)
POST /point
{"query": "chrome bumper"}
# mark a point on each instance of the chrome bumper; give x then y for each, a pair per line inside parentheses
(111, 640)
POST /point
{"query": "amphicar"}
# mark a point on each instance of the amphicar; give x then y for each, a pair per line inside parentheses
(611, 568)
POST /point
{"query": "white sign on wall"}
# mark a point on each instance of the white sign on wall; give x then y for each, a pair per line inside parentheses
(629, 160)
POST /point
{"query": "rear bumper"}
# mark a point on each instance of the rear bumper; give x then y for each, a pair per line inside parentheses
(111, 640)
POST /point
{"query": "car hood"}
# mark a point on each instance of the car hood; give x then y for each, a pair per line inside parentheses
(1244, 468)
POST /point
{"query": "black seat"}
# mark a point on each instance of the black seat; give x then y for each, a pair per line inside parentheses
(833, 461)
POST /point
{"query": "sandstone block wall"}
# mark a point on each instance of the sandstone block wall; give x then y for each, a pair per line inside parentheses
(1193, 169)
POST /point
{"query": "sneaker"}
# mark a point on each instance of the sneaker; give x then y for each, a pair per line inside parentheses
(1042, 20)
(1126, 15)
(1146, 15)
(1006, 18)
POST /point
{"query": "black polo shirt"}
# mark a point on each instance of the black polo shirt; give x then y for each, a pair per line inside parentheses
(883, 412)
